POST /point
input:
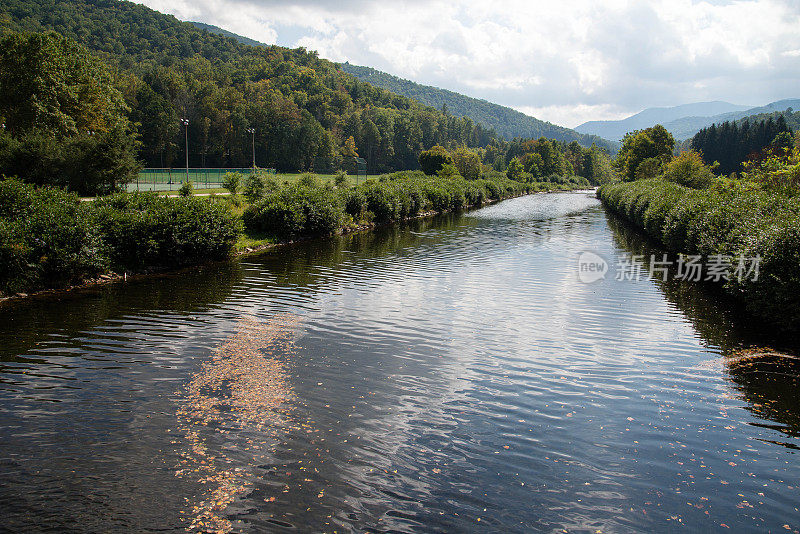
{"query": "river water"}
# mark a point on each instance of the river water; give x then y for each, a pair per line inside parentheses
(452, 374)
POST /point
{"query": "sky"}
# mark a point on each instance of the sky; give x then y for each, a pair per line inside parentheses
(565, 61)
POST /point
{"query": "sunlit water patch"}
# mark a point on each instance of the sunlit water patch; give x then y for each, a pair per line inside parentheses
(538, 207)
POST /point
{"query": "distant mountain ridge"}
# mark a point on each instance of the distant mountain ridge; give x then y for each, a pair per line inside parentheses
(687, 127)
(616, 130)
(682, 121)
(507, 122)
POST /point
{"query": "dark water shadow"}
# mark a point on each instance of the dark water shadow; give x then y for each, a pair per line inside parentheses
(23, 323)
(768, 379)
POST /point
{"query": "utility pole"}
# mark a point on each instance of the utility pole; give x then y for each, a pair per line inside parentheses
(185, 123)
(252, 131)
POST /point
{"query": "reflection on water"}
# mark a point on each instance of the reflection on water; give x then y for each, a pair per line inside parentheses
(768, 380)
(452, 374)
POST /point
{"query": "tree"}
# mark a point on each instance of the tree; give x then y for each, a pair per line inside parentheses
(534, 164)
(688, 169)
(66, 122)
(648, 168)
(86, 164)
(515, 169)
(732, 143)
(349, 150)
(431, 161)
(467, 162)
(655, 142)
(783, 140)
(51, 84)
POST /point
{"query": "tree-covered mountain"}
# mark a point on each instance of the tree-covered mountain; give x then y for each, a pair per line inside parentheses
(304, 109)
(683, 122)
(219, 31)
(791, 117)
(505, 121)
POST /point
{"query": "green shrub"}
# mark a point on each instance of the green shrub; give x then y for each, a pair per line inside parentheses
(46, 239)
(296, 212)
(688, 169)
(355, 202)
(341, 179)
(438, 196)
(382, 202)
(431, 161)
(468, 163)
(260, 184)
(186, 189)
(254, 187)
(448, 170)
(735, 223)
(308, 179)
(648, 168)
(143, 230)
(232, 181)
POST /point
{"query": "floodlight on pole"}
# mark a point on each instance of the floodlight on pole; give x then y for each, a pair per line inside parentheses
(185, 123)
(252, 131)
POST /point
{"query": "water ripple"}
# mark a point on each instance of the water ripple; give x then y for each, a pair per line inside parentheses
(448, 375)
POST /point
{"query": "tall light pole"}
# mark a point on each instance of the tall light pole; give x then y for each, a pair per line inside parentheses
(252, 131)
(185, 123)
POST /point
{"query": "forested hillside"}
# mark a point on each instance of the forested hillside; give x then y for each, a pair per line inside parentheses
(216, 29)
(508, 123)
(731, 143)
(303, 109)
(790, 117)
(505, 121)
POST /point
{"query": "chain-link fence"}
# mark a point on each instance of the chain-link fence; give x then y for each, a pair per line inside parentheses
(171, 179)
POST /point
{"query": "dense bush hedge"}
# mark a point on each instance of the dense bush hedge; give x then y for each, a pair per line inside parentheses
(140, 230)
(734, 223)
(305, 209)
(296, 211)
(48, 238)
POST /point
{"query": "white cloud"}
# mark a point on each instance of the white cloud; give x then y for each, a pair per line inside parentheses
(571, 61)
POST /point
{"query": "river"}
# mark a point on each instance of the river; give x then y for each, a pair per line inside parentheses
(450, 374)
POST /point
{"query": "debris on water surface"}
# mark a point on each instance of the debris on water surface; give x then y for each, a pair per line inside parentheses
(243, 389)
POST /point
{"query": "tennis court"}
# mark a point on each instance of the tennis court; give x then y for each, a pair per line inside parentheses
(171, 179)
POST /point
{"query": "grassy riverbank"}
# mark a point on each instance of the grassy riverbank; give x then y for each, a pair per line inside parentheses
(50, 239)
(735, 222)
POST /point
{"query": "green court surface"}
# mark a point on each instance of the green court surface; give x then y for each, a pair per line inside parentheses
(171, 179)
